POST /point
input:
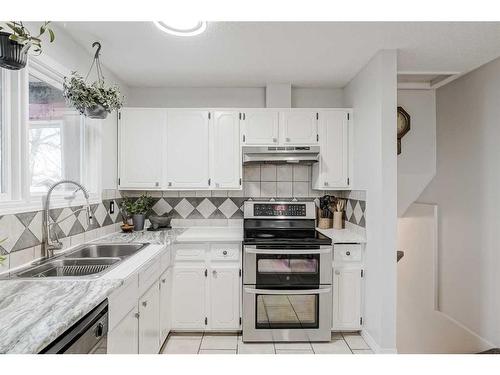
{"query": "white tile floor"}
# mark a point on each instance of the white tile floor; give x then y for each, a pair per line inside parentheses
(199, 343)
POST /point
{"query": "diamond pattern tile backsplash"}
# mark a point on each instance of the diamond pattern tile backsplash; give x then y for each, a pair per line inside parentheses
(24, 230)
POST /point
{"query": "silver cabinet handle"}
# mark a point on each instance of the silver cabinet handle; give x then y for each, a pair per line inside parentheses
(337, 272)
(287, 292)
(347, 253)
(137, 315)
(224, 252)
(145, 303)
(288, 139)
(326, 183)
(214, 272)
(169, 184)
(157, 184)
(275, 140)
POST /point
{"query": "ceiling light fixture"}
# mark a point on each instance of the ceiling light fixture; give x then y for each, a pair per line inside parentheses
(181, 28)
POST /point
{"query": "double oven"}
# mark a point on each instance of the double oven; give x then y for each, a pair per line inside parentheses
(287, 274)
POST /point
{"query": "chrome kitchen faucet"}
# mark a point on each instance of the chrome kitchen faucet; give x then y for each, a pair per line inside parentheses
(48, 245)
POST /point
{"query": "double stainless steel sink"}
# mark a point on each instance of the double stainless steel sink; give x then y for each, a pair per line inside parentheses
(85, 260)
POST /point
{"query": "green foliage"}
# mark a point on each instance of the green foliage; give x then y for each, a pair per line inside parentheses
(22, 35)
(137, 206)
(82, 95)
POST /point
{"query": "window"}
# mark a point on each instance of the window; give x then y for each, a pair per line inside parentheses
(43, 141)
(55, 133)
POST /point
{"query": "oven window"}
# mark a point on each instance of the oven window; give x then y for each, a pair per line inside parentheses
(287, 265)
(287, 311)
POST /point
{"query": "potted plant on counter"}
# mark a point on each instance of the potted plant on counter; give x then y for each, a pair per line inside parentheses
(15, 44)
(137, 208)
(93, 100)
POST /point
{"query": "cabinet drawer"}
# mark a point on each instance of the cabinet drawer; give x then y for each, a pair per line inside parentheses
(123, 300)
(187, 252)
(223, 251)
(347, 253)
(149, 274)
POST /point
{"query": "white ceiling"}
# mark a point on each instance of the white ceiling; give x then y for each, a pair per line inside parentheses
(305, 54)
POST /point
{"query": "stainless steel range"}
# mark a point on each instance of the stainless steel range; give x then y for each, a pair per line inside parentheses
(287, 274)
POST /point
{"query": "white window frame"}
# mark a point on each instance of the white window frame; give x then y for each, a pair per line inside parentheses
(18, 197)
(5, 169)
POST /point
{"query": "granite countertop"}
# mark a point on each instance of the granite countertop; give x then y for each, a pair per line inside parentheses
(33, 313)
(210, 234)
(347, 235)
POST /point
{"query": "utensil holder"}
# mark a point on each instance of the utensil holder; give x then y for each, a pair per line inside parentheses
(338, 220)
(325, 223)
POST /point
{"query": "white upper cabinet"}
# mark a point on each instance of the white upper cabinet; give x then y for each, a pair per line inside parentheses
(225, 150)
(187, 164)
(332, 170)
(299, 127)
(141, 148)
(260, 127)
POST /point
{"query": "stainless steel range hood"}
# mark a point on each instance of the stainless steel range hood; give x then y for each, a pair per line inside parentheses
(280, 154)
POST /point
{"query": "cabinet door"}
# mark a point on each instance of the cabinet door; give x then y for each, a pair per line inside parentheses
(141, 148)
(149, 321)
(224, 297)
(124, 337)
(225, 158)
(189, 292)
(165, 304)
(187, 165)
(346, 298)
(260, 127)
(300, 127)
(333, 169)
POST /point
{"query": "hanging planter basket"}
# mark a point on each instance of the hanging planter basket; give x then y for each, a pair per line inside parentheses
(96, 112)
(93, 100)
(15, 44)
(13, 55)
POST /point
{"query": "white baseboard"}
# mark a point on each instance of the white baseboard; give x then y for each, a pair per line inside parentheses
(485, 342)
(375, 346)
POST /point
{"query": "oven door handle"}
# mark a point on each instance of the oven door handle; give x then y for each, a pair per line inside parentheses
(254, 250)
(287, 292)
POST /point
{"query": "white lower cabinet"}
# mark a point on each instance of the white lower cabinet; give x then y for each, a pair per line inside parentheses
(139, 311)
(165, 304)
(149, 321)
(189, 286)
(124, 337)
(206, 287)
(224, 297)
(347, 298)
(347, 288)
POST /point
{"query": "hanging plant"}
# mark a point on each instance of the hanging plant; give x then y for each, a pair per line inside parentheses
(94, 100)
(14, 45)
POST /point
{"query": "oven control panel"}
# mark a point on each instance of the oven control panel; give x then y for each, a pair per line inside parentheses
(279, 209)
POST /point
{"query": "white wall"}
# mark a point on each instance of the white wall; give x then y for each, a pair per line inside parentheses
(417, 161)
(466, 189)
(372, 94)
(420, 328)
(246, 97)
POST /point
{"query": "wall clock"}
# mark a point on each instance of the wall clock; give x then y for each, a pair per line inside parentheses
(403, 125)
